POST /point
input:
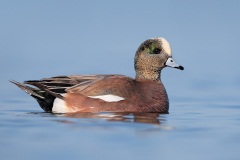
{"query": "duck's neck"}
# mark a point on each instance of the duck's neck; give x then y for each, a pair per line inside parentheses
(148, 75)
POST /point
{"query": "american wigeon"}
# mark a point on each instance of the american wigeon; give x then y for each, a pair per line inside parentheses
(110, 93)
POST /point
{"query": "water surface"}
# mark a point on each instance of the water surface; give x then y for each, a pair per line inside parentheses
(190, 131)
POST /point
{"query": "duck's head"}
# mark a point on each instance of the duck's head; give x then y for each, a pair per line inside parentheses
(152, 56)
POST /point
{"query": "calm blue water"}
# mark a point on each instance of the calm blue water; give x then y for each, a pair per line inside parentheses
(50, 38)
(192, 130)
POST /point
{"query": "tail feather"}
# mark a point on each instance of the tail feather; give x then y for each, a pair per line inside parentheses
(44, 88)
(29, 90)
(45, 98)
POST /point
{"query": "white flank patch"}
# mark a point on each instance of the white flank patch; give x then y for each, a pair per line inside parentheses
(166, 46)
(108, 98)
(59, 106)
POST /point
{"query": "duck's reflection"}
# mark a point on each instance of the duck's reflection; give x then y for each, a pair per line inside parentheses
(152, 118)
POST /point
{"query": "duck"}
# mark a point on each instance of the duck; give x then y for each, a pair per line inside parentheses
(110, 92)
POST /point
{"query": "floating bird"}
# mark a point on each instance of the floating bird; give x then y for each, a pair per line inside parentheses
(110, 93)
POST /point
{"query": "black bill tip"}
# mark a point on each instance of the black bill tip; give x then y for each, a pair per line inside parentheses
(180, 67)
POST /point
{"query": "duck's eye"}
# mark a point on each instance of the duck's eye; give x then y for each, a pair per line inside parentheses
(156, 51)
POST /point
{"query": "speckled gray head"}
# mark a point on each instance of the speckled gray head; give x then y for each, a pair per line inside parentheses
(152, 56)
